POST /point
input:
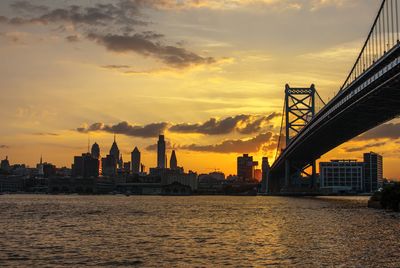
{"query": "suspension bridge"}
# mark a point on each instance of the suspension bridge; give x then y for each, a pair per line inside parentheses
(369, 96)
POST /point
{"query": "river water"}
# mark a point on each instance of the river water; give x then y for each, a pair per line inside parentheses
(195, 231)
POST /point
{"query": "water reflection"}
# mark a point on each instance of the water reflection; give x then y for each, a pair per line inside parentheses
(195, 231)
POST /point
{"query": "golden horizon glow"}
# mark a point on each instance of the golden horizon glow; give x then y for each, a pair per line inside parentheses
(183, 62)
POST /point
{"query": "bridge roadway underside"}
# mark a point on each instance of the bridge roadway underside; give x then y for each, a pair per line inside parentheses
(378, 104)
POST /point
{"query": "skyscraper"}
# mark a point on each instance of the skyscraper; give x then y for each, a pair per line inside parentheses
(95, 151)
(114, 151)
(173, 162)
(161, 157)
(265, 173)
(135, 160)
(373, 172)
(245, 167)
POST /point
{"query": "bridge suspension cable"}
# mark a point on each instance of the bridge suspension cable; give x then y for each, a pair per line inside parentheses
(383, 36)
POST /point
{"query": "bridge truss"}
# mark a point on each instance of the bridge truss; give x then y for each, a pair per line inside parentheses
(369, 96)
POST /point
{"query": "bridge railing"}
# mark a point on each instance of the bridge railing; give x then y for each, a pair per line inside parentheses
(383, 36)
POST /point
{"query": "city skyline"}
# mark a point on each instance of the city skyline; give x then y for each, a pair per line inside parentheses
(222, 98)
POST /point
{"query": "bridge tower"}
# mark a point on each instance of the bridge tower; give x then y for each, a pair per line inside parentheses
(299, 110)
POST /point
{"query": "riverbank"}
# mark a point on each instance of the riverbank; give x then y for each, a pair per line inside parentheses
(387, 198)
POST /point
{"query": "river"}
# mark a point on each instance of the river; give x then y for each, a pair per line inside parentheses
(195, 231)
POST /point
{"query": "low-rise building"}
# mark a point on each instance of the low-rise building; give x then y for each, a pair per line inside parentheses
(341, 176)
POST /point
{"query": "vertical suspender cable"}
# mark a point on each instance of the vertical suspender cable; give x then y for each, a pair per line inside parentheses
(280, 132)
(392, 20)
(387, 26)
(397, 21)
(384, 31)
(380, 35)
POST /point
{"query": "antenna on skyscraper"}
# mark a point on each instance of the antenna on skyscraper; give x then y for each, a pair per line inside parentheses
(88, 144)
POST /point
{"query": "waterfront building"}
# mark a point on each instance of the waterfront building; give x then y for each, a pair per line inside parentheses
(161, 156)
(135, 161)
(340, 176)
(265, 167)
(173, 162)
(12, 184)
(211, 183)
(373, 171)
(187, 179)
(245, 167)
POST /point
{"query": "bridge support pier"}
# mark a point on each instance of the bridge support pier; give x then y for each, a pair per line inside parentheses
(313, 182)
(287, 174)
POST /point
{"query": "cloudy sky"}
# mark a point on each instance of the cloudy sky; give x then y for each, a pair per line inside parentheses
(210, 74)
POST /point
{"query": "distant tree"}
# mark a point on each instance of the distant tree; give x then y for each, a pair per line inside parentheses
(390, 196)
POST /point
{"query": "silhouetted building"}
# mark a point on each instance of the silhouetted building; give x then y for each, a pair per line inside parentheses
(161, 156)
(340, 176)
(77, 166)
(245, 167)
(265, 173)
(40, 167)
(373, 171)
(109, 166)
(127, 167)
(49, 170)
(85, 166)
(211, 183)
(142, 168)
(95, 151)
(114, 151)
(135, 161)
(5, 164)
(173, 162)
(121, 163)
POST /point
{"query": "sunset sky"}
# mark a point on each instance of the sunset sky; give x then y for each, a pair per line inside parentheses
(209, 74)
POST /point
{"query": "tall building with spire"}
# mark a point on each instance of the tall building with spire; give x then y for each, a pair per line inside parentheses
(161, 156)
(135, 160)
(173, 162)
(40, 167)
(114, 151)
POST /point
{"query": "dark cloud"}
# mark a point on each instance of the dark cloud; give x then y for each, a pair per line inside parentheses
(25, 6)
(121, 13)
(168, 146)
(111, 25)
(364, 147)
(390, 131)
(150, 130)
(233, 146)
(72, 38)
(245, 124)
(45, 134)
(256, 125)
(113, 66)
(176, 57)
